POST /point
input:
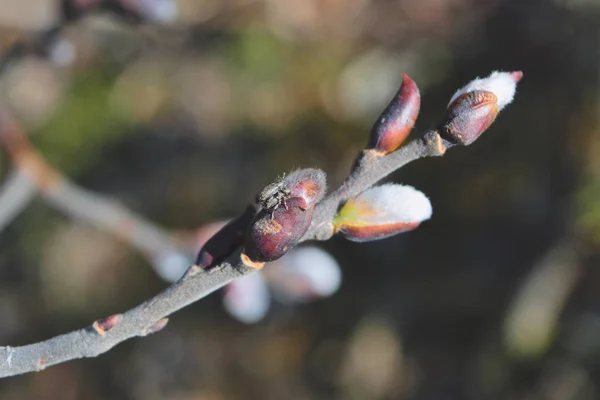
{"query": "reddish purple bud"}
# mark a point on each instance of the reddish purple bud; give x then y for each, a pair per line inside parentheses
(397, 120)
(273, 233)
(308, 185)
(285, 214)
(474, 107)
(225, 240)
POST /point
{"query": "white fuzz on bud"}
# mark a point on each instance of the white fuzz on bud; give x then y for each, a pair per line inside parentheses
(502, 84)
(396, 203)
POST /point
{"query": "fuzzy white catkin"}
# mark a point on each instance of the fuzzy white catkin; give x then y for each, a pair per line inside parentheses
(396, 203)
(502, 84)
(170, 265)
(316, 266)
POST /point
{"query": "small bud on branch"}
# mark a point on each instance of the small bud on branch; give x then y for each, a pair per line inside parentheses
(156, 327)
(104, 325)
(286, 213)
(397, 120)
(474, 107)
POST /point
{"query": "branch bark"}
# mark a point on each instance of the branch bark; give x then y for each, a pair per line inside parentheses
(142, 320)
(223, 259)
(197, 283)
(151, 316)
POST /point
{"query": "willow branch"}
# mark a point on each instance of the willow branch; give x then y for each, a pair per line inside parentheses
(197, 283)
(102, 335)
(369, 168)
(470, 113)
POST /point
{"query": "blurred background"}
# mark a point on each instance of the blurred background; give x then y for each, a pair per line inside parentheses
(180, 110)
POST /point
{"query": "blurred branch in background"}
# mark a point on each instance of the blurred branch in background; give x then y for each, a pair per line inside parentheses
(16, 192)
(103, 213)
(48, 42)
(305, 274)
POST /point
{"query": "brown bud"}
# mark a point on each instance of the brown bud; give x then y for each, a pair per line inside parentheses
(397, 120)
(469, 116)
(474, 107)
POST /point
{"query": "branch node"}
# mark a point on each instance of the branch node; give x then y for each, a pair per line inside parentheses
(252, 264)
(102, 326)
(191, 271)
(41, 365)
(436, 143)
(159, 325)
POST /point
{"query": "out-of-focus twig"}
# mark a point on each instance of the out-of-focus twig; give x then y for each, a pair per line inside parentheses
(101, 212)
(16, 193)
(73, 11)
(38, 42)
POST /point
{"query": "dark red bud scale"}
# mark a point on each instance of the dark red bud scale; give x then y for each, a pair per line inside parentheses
(225, 241)
(369, 233)
(397, 120)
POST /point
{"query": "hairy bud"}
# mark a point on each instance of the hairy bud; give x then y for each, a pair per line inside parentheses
(397, 120)
(286, 209)
(381, 212)
(474, 107)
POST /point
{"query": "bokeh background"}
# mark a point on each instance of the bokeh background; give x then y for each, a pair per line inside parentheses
(181, 110)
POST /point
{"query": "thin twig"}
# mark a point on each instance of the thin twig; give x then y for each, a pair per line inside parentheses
(39, 41)
(197, 282)
(16, 193)
(226, 258)
(369, 168)
(142, 320)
